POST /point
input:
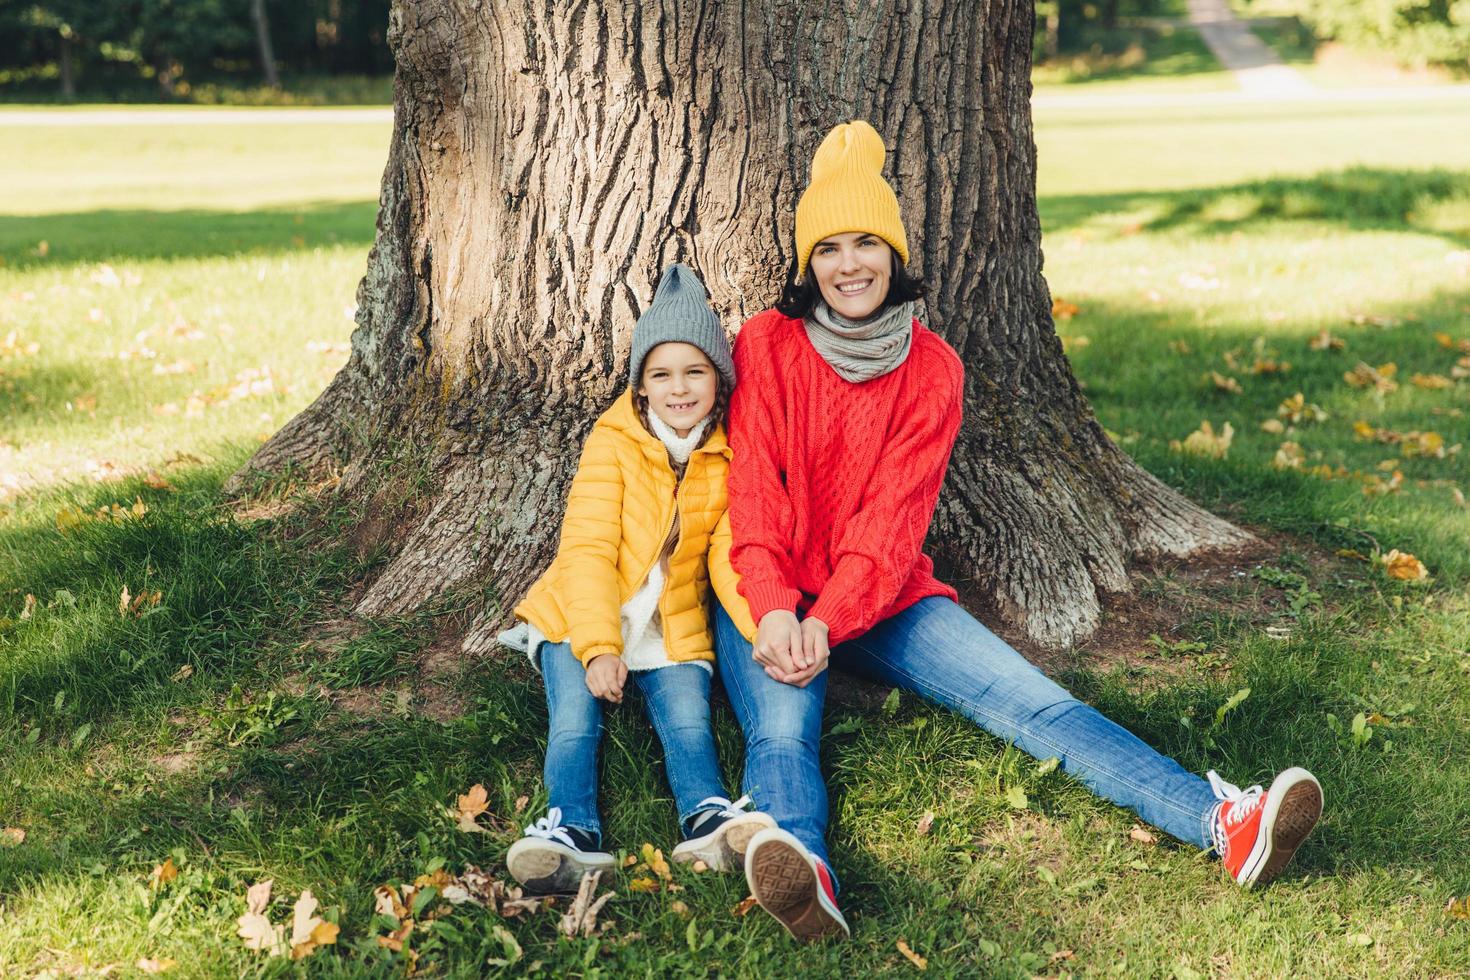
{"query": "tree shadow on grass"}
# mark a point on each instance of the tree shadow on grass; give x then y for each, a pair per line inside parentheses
(1360, 198)
(124, 235)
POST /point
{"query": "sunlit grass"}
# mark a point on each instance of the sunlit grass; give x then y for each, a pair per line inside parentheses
(222, 728)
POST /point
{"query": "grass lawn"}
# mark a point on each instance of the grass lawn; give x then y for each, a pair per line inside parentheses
(1166, 58)
(191, 295)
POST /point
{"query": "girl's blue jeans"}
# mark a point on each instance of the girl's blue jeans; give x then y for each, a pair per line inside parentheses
(942, 653)
(677, 700)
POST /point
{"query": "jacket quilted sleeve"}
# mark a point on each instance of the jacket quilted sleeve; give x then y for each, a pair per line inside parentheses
(590, 536)
(726, 580)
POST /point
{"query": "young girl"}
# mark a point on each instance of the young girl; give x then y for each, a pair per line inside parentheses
(625, 598)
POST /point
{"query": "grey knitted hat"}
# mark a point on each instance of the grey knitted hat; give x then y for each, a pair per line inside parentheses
(680, 312)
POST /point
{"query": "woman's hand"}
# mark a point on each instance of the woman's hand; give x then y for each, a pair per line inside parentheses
(814, 653)
(605, 677)
(777, 641)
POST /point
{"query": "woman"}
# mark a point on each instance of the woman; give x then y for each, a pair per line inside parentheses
(841, 431)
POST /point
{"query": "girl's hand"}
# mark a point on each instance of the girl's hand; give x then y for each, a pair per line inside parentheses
(777, 642)
(815, 652)
(605, 677)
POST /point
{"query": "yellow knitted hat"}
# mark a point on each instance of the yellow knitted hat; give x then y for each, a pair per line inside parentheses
(848, 193)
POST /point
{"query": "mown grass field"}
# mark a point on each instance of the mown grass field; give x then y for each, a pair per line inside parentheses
(237, 728)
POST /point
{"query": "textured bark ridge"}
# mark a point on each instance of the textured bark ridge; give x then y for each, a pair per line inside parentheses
(549, 159)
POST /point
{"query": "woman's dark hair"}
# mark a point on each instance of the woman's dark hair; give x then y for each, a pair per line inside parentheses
(799, 298)
(717, 413)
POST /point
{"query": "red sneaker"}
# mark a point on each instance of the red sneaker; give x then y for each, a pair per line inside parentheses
(1257, 831)
(793, 885)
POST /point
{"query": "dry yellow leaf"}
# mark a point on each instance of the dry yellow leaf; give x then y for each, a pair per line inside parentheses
(154, 480)
(1458, 908)
(258, 933)
(643, 884)
(1062, 310)
(911, 956)
(386, 902)
(12, 837)
(470, 806)
(1432, 382)
(1205, 442)
(28, 608)
(1289, 457)
(1142, 835)
(308, 930)
(1225, 383)
(1273, 426)
(162, 875)
(1323, 340)
(699, 867)
(654, 858)
(146, 965)
(746, 904)
(521, 802)
(1402, 565)
(1380, 379)
(926, 822)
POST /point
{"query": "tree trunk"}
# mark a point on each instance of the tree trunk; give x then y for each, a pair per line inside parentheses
(263, 43)
(67, 68)
(546, 165)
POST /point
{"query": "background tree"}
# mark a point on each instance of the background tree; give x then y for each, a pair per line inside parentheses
(546, 165)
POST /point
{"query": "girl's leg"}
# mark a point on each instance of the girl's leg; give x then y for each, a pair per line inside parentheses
(782, 726)
(942, 653)
(575, 733)
(677, 700)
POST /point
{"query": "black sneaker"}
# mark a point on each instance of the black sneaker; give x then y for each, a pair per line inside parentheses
(718, 836)
(551, 859)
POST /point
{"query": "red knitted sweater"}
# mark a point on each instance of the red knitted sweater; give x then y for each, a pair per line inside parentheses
(833, 484)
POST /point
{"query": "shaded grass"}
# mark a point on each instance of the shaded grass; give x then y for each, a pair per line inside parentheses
(1151, 58)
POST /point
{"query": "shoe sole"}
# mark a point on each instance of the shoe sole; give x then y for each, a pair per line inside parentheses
(786, 886)
(724, 850)
(1291, 813)
(549, 868)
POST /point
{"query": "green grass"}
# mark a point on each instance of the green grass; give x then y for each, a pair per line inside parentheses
(238, 727)
(42, 87)
(1170, 58)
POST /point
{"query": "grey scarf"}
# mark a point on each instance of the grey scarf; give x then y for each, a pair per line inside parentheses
(861, 350)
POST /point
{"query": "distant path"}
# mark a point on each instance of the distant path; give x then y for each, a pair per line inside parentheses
(1255, 66)
(1416, 94)
(190, 116)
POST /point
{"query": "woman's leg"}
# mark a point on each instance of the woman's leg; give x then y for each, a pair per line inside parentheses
(937, 650)
(677, 700)
(573, 738)
(782, 726)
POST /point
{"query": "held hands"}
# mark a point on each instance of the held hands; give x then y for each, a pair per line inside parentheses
(605, 677)
(791, 652)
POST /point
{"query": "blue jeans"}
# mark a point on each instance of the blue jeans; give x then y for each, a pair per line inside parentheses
(677, 700)
(942, 653)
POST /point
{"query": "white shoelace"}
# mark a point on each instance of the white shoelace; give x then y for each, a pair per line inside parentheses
(1244, 803)
(550, 827)
(726, 808)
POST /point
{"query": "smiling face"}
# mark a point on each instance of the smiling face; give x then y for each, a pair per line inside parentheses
(853, 272)
(680, 384)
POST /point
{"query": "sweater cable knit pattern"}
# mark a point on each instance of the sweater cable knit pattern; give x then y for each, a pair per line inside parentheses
(833, 484)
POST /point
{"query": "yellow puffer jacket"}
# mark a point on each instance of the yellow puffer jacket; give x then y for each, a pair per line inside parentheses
(619, 514)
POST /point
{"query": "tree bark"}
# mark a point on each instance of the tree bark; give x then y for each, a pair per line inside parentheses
(263, 43)
(67, 67)
(547, 163)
